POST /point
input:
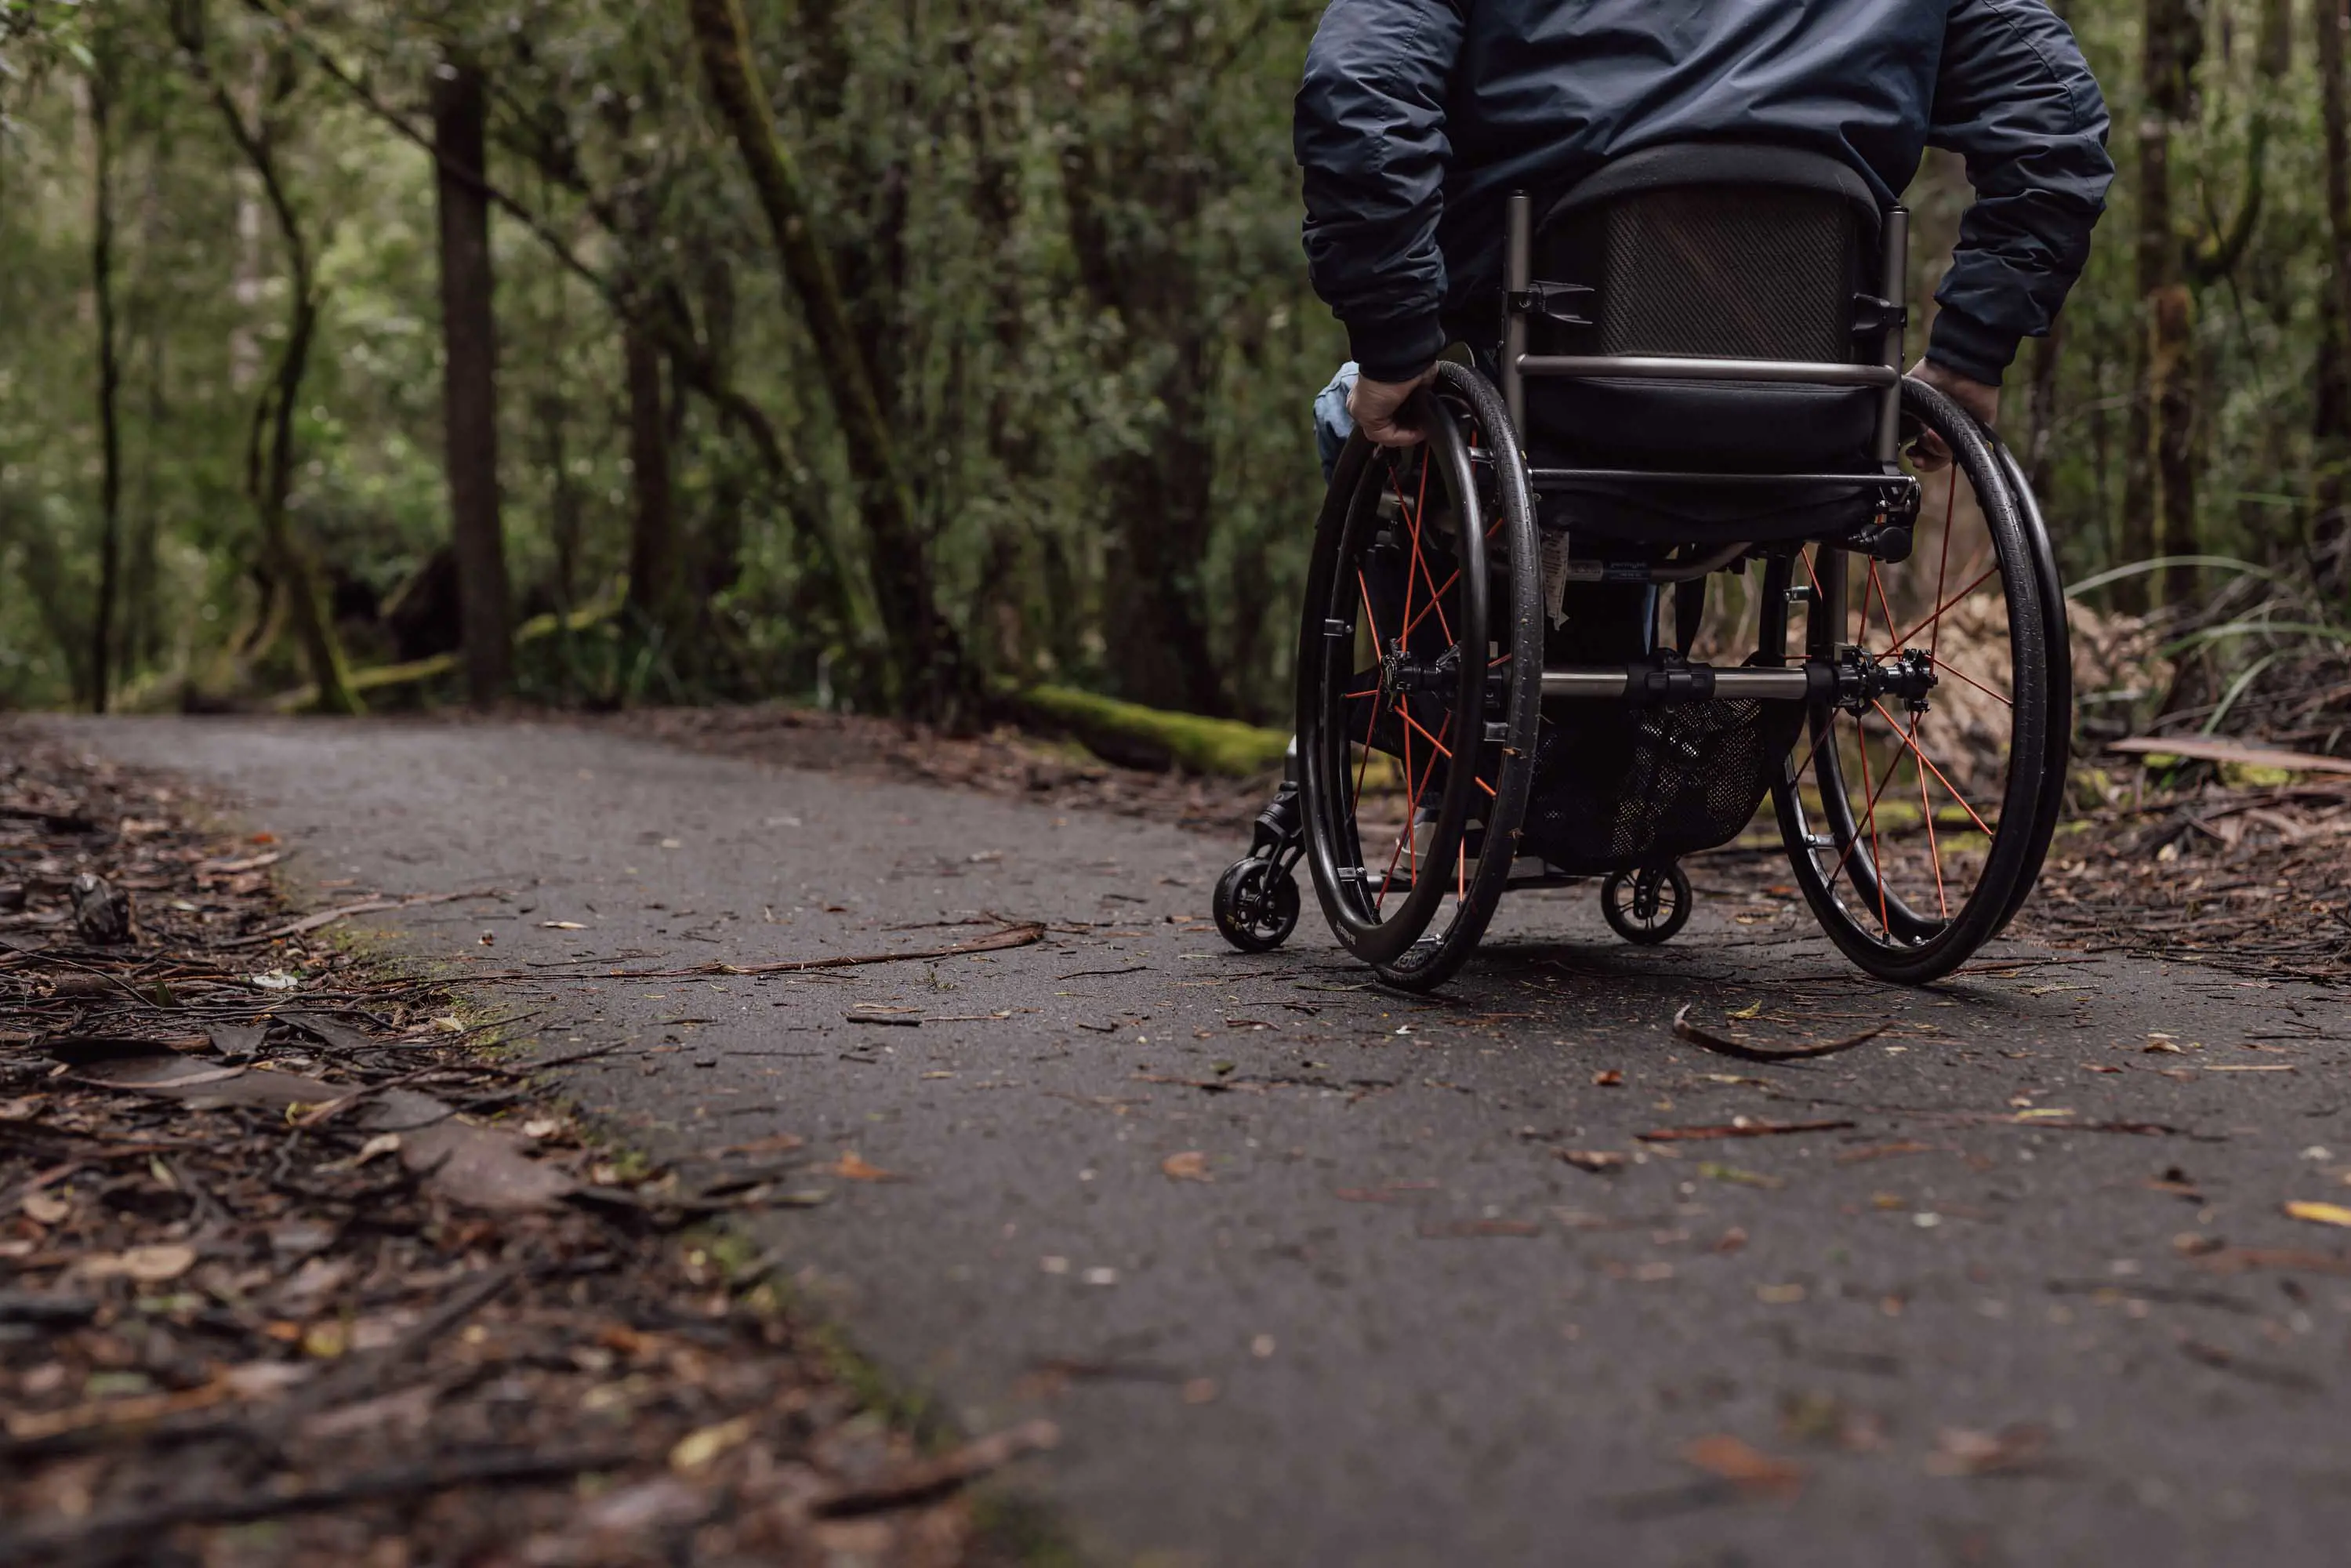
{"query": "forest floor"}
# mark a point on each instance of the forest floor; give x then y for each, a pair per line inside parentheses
(297, 1270)
(2051, 1270)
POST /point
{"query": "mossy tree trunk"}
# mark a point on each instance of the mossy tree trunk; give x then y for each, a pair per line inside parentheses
(926, 672)
(269, 445)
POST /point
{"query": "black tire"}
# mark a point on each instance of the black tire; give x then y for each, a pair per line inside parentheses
(1256, 903)
(1898, 914)
(1671, 900)
(1460, 496)
(2058, 765)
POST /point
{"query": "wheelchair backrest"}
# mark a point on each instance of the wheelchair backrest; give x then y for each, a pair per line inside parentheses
(1713, 252)
(1708, 252)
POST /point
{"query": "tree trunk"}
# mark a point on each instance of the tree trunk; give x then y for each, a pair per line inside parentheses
(2158, 500)
(652, 529)
(109, 386)
(1158, 498)
(469, 367)
(2330, 539)
(269, 445)
(926, 672)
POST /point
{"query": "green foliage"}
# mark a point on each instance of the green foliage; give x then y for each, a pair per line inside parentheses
(1068, 239)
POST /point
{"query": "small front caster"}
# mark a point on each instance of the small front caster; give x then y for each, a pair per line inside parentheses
(1648, 906)
(1256, 903)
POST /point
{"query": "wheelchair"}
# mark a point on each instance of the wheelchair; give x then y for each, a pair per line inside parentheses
(1702, 411)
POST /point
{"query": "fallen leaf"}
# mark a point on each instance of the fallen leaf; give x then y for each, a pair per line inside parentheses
(703, 1444)
(1191, 1165)
(1961, 1452)
(853, 1167)
(46, 1207)
(2320, 1213)
(1592, 1159)
(561, 926)
(146, 1265)
(1611, 1079)
(1746, 1014)
(1757, 1473)
(448, 1025)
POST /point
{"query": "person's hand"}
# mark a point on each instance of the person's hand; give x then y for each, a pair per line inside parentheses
(1928, 455)
(1381, 409)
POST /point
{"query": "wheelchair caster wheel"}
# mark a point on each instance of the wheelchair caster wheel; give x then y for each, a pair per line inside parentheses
(1255, 904)
(1648, 906)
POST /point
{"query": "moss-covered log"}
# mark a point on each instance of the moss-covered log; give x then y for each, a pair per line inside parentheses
(1129, 732)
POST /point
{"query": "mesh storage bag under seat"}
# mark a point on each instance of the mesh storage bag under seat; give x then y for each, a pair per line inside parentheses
(1617, 788)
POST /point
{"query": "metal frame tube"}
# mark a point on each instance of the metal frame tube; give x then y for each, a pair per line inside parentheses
(1518, 276)
(1894, 285)
(1654, 367)
(1569, 478)
(1606, 680)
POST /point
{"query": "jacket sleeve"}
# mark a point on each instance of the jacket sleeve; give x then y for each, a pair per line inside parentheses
(2016, 100)
(1369, 136)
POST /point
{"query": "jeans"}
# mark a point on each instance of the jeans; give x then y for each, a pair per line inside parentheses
(1333, 423)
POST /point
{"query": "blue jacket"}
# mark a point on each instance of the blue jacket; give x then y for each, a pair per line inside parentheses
(1417, 118)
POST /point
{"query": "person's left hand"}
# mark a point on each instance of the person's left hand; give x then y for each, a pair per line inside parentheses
(1381, 409)
(1982, 399)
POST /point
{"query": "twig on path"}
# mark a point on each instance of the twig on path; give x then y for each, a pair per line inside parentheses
(936, 1478)
(1020, 936)
(405, 1480)
(1739, 1128)
(1723, 1044)
(365, 906)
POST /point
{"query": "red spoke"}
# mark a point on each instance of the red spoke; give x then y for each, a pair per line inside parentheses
(1424, 730)
(1942, 569)
(1937, 772)
(1371, 728)
(1417, 510)
(1404, 510)
(1447, 587)
(1953, 670)
(1411, 809)
(1852, 844)
(1366, 692)
(1876, 856)
(1946, 607)
(1934, 849)
(1882, 602)
(1362, 766)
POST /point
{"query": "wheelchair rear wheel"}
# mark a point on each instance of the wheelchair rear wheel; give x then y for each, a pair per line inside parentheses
(1917, 828)
(1419, 669)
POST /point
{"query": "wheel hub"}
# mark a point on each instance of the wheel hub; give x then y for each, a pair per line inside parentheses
(1400, 671)
(1862, 679)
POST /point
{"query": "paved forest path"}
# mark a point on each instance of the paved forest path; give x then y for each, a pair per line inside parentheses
(1393, 1324)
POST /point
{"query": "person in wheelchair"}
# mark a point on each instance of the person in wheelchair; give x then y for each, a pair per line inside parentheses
(1417, 118)
(1672, 235)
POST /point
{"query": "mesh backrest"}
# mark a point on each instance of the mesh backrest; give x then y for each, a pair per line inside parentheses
(1725, 272)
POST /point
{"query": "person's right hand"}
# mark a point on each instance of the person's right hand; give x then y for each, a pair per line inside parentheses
(1381, 409)
(1928, 455)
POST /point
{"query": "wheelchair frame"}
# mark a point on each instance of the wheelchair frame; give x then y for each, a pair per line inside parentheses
(1256, 902)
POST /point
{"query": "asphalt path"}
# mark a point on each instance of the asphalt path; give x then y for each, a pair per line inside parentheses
(2034, 1299)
